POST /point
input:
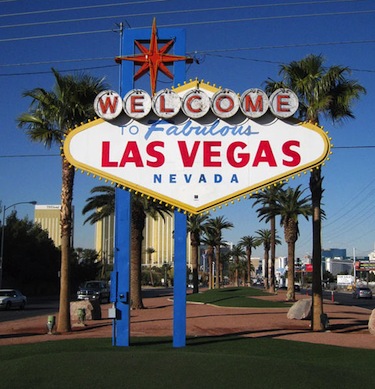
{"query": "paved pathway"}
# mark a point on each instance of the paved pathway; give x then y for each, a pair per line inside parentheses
(348, 325)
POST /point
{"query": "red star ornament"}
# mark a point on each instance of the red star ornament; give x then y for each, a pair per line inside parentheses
(153, 59)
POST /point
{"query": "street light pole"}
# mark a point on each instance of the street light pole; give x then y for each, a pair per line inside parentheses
(2, 235)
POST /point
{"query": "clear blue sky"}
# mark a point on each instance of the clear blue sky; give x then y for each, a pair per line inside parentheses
(238, 44)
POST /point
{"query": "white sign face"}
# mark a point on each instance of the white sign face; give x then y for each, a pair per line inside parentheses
(196, 164)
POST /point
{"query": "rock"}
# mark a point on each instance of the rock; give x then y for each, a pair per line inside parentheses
(92, 309)
(371, 323)
(300, 310)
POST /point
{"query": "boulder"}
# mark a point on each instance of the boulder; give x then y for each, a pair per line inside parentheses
(300, 310)
(371, 323)
(92, 309)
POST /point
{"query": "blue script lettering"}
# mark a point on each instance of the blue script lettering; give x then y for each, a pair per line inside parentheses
(189, 129)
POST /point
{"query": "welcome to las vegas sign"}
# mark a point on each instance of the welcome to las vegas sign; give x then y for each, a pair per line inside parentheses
(196, 147)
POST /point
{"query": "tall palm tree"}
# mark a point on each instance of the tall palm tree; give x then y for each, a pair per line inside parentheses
(238, 253)
(51, 116)
(290, 205)
(322, 92)
(103, 205)
(216, 226)
(248, 243)
(195, 225)
(267, 198)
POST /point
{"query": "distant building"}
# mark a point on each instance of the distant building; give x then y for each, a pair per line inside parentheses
(338, 265)
(104, 238)
(158, 235)
(334, 253)
(48, 216)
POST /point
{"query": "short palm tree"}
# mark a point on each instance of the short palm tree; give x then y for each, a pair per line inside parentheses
(248, 243)
(289, 206)
(195, 225)
(51, 117)
(267, 198)
(215, 226)
(322, 92)
(103, 205)
(209, 240)
(264, 239)
(238, 254)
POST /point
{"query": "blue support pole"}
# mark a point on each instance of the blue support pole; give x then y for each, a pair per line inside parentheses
(121, 276)
(179, 287)
(121, 324)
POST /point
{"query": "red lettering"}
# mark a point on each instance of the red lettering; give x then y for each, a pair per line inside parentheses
(287, 150)
(131, 155)
(135, 103)
(209, 154)
(251, 107)
(243, 157)
(188, 158)
(163, 108)
(264, 154)
(219, 106)
(110, 102)
(152, 152)
(105, 156)
(281, 103)
(189, 103)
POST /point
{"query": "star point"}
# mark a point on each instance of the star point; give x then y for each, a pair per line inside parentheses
(152, 59)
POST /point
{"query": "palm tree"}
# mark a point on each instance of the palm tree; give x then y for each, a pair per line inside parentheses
(215, 226)
(267, 198)
(323, 92)
(210, 241)
(141, 207)
(195, 225)
(289, 206)
(51, 116)
(238, 253)
(248, 243)
(264, 239)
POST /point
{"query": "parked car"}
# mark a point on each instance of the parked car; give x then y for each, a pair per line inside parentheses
(94, 290)
(362, 292)
(12, 298)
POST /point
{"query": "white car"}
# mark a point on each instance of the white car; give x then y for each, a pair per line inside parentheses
(12, 298)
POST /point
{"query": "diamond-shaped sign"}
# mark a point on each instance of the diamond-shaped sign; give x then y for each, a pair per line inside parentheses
(196, 163)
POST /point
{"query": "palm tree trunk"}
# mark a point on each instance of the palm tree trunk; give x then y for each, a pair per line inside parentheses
(218, 268)
(317, 292)
(237, 283)
(194, 265)
(273, 254)
(290, 294)
(66, 218)
(248, 255)
(135, 265)
(210, 276)
(266, 269)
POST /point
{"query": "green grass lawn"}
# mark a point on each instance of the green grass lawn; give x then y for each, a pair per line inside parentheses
(208, 362)
(236, 297)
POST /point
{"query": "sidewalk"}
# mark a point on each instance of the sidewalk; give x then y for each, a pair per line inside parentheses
(348, 325)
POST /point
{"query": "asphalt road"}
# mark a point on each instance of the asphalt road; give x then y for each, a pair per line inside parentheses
(48, 306)
(35, 307)
(346, 298)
